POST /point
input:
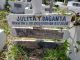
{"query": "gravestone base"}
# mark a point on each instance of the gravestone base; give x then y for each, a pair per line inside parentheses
(38, 44)
(40, 35)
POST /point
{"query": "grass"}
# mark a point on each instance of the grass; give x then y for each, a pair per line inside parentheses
(60, 53)
(19, 52)
(16, 52)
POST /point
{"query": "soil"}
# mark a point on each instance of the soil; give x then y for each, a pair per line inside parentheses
(36, 54)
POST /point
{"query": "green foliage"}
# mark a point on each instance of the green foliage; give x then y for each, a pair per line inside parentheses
(3, 14)
(61, 11)
(3, 21)
(76, 19)
(61, 0)
(45, 2)
(16, 52)
(7, 6)
(65, 1)
(4, 25)
(78, 42)
(57, 54)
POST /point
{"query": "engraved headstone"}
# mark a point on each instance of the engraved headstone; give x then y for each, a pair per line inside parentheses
(21, 22)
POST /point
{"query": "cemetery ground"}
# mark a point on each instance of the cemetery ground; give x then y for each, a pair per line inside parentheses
(18, 52)
(55, 49)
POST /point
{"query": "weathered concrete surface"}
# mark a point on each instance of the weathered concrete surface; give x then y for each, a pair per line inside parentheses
(38, 44)
(38, 33)
(2, 39)
(74, 36)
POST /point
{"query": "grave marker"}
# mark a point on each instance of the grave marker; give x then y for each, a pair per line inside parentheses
(49, 20)
(20, 23)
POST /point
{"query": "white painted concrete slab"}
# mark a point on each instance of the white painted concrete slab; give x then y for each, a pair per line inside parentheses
(2, 4)
(2, 39)
(74, 36)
